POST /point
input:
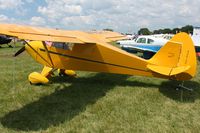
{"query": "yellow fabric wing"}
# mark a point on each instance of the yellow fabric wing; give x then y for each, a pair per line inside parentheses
(56, 35)
(45, 34)
(108, 36)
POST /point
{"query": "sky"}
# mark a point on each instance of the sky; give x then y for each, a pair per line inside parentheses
(126, 16)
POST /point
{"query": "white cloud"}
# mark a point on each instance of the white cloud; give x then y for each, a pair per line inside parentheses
(3, 18)
(7, 4)
(57, 9)
(38, 21)
(30, 1)
(78, 22)
(121, 15)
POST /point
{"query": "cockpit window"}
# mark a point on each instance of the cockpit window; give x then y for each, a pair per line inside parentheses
(61, 45)
(168, 37)
(141, 40)
(150, 41)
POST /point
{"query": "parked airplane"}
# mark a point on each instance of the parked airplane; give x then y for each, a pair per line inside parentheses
(91, 52)
(164, 36)
(5, 40)
(196, 39)
(130, 36)
(150, 44)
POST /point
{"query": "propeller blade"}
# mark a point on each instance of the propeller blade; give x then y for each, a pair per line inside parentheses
(20, 51)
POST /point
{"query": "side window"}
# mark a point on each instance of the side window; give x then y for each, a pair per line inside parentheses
(150, 41)
(61, 45)
(141, 40)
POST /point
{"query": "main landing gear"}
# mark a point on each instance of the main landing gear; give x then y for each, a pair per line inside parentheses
(47, 72)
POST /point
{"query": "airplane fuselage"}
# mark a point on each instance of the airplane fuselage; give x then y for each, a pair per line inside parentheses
(103, 57)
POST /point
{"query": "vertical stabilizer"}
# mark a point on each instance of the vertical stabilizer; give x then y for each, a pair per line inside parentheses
(177, 58)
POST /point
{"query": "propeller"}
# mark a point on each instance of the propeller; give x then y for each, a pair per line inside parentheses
(20, 51)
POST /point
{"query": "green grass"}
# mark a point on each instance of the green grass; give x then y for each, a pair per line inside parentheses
(92, 102)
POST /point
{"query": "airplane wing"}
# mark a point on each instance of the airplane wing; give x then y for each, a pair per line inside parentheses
(108, 36)
(142, 48)
(54, 35)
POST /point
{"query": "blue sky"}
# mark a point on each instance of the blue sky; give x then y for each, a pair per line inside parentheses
(120, 15)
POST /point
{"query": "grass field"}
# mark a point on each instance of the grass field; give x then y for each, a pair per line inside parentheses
(93, 102)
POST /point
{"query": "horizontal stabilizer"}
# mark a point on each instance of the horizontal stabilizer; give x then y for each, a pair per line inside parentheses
(167, 71)
(160, 69)
(179, 69)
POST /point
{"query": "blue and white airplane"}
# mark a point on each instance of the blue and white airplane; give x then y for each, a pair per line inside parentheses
(149, 44)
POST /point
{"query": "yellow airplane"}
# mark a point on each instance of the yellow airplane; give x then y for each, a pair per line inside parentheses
(84, 51)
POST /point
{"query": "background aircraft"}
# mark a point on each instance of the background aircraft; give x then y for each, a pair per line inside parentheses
(150, 44)
(196, 39)
(5, 40)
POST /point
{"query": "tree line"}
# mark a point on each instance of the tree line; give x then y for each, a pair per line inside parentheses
(188, 29)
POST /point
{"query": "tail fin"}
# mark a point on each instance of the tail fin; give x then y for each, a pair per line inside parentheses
(177, 59)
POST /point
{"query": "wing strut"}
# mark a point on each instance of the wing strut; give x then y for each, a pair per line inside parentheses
(37, 52)
(47, 51)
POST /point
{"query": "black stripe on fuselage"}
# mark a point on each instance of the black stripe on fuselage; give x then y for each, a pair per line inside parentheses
(85, 59)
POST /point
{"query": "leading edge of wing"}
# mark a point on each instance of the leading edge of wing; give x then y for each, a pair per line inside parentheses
(45, 34)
